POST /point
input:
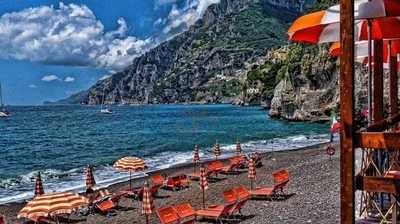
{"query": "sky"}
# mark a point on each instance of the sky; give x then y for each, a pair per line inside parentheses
(51, 49)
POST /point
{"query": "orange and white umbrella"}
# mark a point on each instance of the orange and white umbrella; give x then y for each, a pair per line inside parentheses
(130, 163)
(196, 156)
(52, 204)
(251, 172)
(238, 148)
(203, 183)
(38, 185)
(217, 150)
(147, 203)
(361, 50)
(305, 29)
(89, 178)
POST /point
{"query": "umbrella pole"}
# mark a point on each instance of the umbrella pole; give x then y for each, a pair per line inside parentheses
(251, 183)
(130, 180)
(147, 219)
(369, 72)
(204, 204)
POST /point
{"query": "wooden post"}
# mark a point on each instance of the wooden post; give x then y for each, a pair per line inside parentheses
(347, 185)
(393, 82)
(378, 81)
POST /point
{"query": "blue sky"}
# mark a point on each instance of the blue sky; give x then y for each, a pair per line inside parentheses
(51, 49)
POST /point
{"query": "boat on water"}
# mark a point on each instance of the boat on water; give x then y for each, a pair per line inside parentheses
(3, 110)
(106, 109)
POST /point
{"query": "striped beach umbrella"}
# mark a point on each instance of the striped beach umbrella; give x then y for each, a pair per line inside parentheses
(196, 157)
(238, 148)
(203, 183)
(251, 172)
(51, 204)
(217, 150)
(89, 179)
(38, 185)
(147, 203)
(130, 163)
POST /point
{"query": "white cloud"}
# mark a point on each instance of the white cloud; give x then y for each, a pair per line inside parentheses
(67, 35)
(69, 79)
(182, 18)
(50, 78)
(32, 86)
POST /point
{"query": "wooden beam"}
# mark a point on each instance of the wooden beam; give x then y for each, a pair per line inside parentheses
(347, 184)
(378, 140)
(393, 82)
(378, 184)
(378, 81)
(383, 124)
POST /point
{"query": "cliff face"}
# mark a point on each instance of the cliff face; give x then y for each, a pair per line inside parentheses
(207, 63)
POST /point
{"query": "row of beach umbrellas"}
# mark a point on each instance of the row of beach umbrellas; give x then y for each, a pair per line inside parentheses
(54, 203)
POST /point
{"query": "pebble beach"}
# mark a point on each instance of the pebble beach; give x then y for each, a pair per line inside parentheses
(312, 195)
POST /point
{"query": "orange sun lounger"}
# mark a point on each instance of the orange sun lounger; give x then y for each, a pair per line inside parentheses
(177, 182)
(281, 179)
(157, 180)
(167, 215)
(186, 213)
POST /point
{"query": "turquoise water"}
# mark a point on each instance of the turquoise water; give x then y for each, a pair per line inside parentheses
(60, 140)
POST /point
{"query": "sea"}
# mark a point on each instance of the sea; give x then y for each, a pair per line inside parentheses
(60, 141)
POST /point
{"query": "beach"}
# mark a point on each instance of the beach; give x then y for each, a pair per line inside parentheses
(312, 195)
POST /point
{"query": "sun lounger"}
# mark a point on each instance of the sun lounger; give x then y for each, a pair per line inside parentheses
(281, 179)
(186, 213)
(157, 180)
(177, 182)
(105, 204)
(167, 215)
(217, 212)
(137, 192)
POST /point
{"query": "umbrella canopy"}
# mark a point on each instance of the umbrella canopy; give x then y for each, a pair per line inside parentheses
(147, 203)
(382, 28)
(238, 147)
(217, 149)
(38, 185)
(251, 172)
(196, 156)
(130, 163)
(89, 179)
(52, 204)
(361, 50)
(203, 183)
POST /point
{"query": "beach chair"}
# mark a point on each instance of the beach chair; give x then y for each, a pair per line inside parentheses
(196, 175)
(239, 161)
(281, 179)
(231, 167)
(138, 191)
(217, 212)
(167, 215)
(186, 213)
(109, 202)
(177, 182)
(157, 180)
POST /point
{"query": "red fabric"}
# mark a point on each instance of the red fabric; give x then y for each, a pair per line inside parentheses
(392, 7)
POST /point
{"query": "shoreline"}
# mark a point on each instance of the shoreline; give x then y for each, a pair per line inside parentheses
(11, 209)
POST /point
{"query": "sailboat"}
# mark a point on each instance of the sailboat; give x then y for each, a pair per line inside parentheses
(105, 110)
(3, 109)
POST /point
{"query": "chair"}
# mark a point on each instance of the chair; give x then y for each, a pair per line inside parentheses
(157, 179)
(177, 182)
(108, 202)
(217, 212)
(186, 213)
(281, 179)
(167, 215)
(196, 175)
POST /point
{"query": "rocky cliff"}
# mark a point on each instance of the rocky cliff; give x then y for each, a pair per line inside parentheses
(207, 63)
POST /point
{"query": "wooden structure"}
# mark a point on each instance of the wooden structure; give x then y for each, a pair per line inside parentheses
(379, 141)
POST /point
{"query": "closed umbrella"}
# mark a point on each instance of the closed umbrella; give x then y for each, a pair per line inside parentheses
(217, 150)
(51, 204)
(130, 164)
(251, 172)
(203, 183)
(38, 185)
(147, 204)
(238, 148)
(196, 157)
(89, 179)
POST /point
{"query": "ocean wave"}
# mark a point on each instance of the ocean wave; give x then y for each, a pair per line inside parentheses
(21, 187)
